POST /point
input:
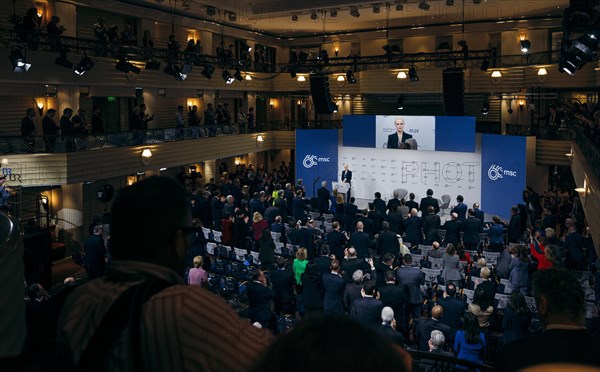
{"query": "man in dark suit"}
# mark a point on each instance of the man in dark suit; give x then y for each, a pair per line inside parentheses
(396, 139)
(336, 241)
(333, 285)
(298, 206)
(452, 228)
(351, 263)
(478, 212)
(395, 220)
(425, 326)
(411, 203)
(429, 200)
(367, 310)
(379, 204)
(350, 211)
(382, 265)
(413, 227)
(387, 241)
(323, 198)
(95, 254)
(347, 178)
(560, 302)
(393, 201)
(360, 241)
(471, 227)
(324, 260)
(454, 309)
(376, 219)
(306, 238)
(259, 300)
(412, 278)
(460, 208)
(431, 226)
(394, 296)
(283, 285)
(368, 225)
(515, 231)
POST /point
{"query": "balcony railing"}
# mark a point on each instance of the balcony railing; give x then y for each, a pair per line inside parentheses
(562, 132)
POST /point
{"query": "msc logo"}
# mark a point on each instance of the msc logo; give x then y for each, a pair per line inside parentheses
(312, 160)
(496, 172)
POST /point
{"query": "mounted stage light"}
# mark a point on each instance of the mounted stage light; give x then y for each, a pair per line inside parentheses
(84, 65)
(211, 11)
(313, 15)
(525, 45)
(227, 77)
(376, 8)
(449, 2)
(152, 65)
(208, 71)
(124, 66)
(350, 77)
(232, 17)
(424, 6)
(400, 103)
(238, 74)
(63, 61)
(401, 75)
(486, 107)
(175, 71)
(571, 64)
(412, 74)
(484, 65)
(294, 17)
(333, 13)
(354, 12)
(19, 61)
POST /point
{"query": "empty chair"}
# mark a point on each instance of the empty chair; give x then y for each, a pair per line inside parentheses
(431, 275)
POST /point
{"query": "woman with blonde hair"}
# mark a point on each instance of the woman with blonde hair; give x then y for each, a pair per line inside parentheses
(299, 266)
(258, 225)
(339, 209)
(197, 275)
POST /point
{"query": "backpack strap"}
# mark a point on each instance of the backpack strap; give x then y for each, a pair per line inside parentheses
(126, 307)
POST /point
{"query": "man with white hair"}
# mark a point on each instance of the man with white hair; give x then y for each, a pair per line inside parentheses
(452, 228)
(388, 326)
(436, 343)
(323, 198)
(360, 241)
(414, 225)
(353, 289)
(351, 263)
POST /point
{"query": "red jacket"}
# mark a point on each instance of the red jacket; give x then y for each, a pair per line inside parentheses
(543, 262)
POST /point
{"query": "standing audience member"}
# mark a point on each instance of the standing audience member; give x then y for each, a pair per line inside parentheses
(54, 31)
(284, 285)
(312, 290)
(259, 300)
(333, 287)
(564, 344)
(27, 125)
(266, 252)
(450, 265)
(197, 275)
(470, 342)
(367, 310)
(519, 269)
(517, 318)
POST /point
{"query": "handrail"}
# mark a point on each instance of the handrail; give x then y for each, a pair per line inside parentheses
(589, 149)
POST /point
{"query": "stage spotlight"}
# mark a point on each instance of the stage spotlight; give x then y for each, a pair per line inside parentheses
(187, 68)
(124, 66)
(476, 2)
(412, 73)
(313, 15)
(211, 11)
(63, 61)
(484, 65)
(424, 6)
(152, 65)
(333, 13)
(571, 64)
(238, 74)
(84, 65)
(525, 46)
(354, 12)
(227, 77)
(19, 62)
(208, 71)
(400, 103)
(486, 107)
(449, 2)
(244, 46)
(399, 7)
(174, 71)
(350, 77)
(376, 8)
(294, 17)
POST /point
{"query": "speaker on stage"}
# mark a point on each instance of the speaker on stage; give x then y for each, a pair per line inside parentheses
(454, 91)
(319, 87)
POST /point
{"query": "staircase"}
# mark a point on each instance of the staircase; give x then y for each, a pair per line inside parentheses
(552, 152)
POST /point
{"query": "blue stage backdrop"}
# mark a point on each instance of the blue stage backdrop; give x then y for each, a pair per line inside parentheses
(503, 174)
(316, 158)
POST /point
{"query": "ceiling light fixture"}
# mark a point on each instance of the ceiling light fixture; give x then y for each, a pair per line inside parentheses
(354, 12)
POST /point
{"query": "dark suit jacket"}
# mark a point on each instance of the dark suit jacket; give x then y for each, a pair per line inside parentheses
(283, 283)
(323, 264)
(353, 264)
(414, 234)
(387, 242)
(361, 242)
(454, 309)
(367, 226)
(259, 302)
(391, 334)
(298, 208)
(549, 347)
(94, 252)
(380, 206)
(471, 227)
(411, 204)
(336, 241)
(429, 201)
(334, 290)
(367, 310)
(352, 291)
(392, 142)
(514, 229)
(461, 210)
(479, 214)
(412, 278)
(350, 216)
(323, 197)
(424, 328)
(395, 220)
(347, 176)
(431, 227)
(380, 269)
(452, 228)
(306, 240)
(394, 296)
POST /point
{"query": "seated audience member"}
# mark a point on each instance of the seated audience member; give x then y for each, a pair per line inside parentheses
(517, 318)
(197, 275)
(454, 309)
(367, 310)
(470, 342)
(315, 351)
(565, 344)
(476, 271)
(148, 243)
(388, 326)
(425, 326)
